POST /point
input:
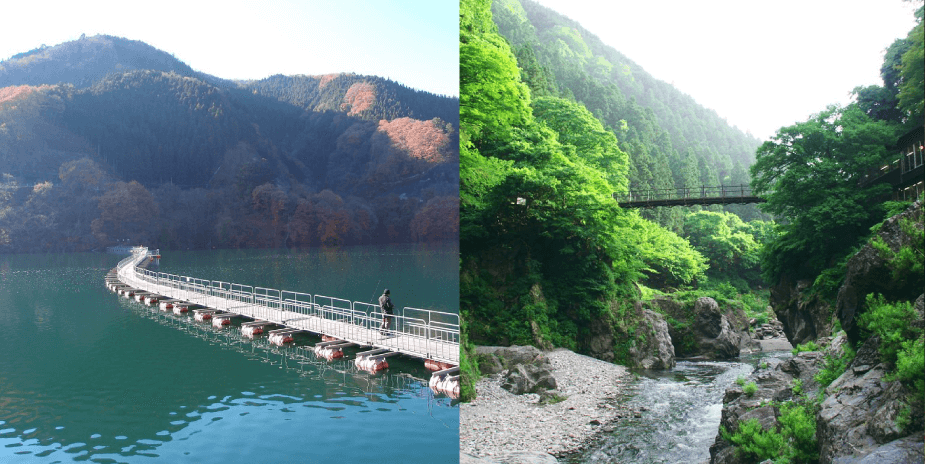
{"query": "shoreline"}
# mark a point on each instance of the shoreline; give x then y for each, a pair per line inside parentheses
(499, 424)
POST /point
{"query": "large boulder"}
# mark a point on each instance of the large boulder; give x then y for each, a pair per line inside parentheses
(600, 343)
(528, 378)
(652, 345)
(496, 359)
(774, 384)
(654, 350)
(718, 339)
(525, 368)
(902, 451)
(704, 330)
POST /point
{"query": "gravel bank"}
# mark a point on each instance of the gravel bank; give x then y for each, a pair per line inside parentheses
(499, 424)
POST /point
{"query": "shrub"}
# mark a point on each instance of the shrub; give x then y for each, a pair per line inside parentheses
(904, 418)
(798, 426)
(834, 367)
(740, 380)
(892, 322)
(808, 346)
(468, 367)
(754, 442)
(797, 386)
(907, 263)
(794, 442)
(750, 388)
(910, 366)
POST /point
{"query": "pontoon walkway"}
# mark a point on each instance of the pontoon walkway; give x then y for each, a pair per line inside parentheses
(431, 335)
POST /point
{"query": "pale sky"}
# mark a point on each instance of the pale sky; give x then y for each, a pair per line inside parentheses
(761, 65)
(414, 42)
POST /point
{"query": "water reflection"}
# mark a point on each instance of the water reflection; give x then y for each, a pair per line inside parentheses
(88, 376)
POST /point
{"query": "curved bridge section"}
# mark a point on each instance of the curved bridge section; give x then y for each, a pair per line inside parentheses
(418, 332)
(722, 195)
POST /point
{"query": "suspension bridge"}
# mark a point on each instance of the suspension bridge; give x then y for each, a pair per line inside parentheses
(721, 195)
(429, 335)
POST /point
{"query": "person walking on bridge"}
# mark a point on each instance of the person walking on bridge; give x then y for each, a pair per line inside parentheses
(385, 303)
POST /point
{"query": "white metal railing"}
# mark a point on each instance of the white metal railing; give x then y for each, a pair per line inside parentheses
(420, 332)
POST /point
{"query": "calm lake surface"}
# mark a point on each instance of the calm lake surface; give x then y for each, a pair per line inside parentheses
(88, 376)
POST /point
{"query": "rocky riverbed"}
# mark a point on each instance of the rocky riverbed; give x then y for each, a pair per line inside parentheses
(501, 427)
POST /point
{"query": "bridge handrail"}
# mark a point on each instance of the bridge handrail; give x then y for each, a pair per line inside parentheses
(685, 193)
(433, 334)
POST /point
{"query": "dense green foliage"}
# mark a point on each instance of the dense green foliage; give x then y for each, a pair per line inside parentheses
(754, 442)
(808, 346)
(749, 388)
(672, 141)
(907, 265)
(468, 366)
(731, 246)
(911, 82)
(793, 442)
(899, 328)
(810, 171)
(545, 249)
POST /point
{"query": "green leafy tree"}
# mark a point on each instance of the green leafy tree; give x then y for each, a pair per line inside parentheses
(809, 172)
(912, 87)
(726, 241)
(578, 130)
(545, 250)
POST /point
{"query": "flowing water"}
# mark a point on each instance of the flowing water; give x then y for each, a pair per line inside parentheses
(88, 376)
(679, 416)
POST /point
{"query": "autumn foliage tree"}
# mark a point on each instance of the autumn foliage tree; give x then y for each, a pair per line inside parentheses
(437, 220)
(127, 209)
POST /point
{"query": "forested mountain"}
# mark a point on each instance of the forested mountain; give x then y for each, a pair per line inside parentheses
(84, 61)
(548, 258)
(672, 141)
(367, 97)
(93, 150)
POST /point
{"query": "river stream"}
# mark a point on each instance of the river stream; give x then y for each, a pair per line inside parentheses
(679, 414)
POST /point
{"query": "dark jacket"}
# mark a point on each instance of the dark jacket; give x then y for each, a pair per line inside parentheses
(386, 304)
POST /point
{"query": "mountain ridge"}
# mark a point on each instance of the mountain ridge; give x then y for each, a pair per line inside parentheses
(85, 128)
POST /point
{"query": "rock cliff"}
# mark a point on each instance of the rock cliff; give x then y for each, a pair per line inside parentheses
(805, 317)
(648, 345)
(869, 271)
(857, 422)
(864, 416)
(704, 330)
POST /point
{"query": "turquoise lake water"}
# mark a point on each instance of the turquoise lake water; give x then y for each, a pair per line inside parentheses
(88, 376)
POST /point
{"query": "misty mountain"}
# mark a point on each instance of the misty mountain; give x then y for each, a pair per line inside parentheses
(673, 141)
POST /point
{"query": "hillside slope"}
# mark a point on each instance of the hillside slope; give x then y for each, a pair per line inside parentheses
(673, 141)
(218, 163)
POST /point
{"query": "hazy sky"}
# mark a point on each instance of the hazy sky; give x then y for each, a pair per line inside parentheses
(415, 42)
(760, 64)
